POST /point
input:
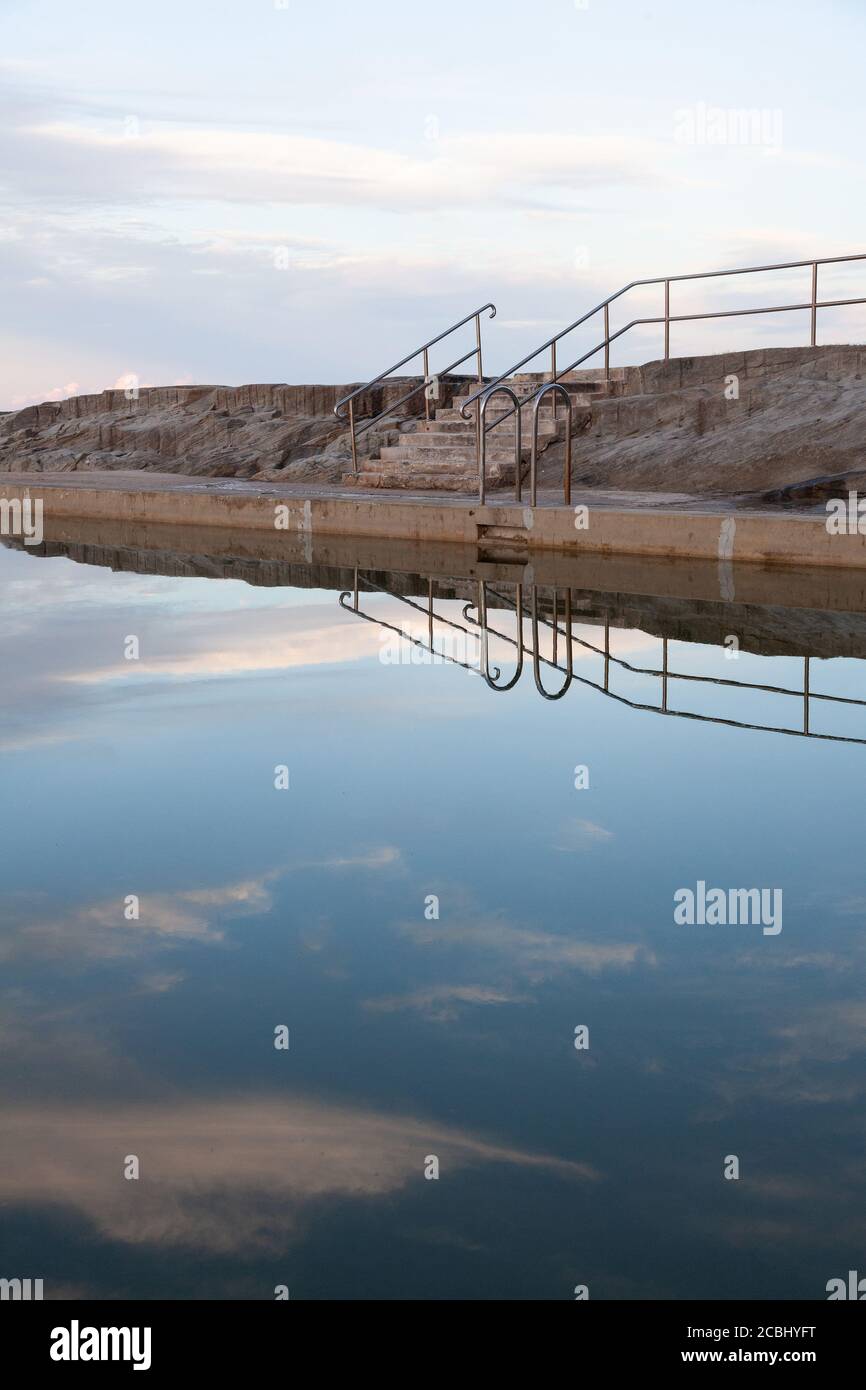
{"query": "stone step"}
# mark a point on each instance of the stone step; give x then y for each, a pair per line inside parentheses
(408, 482)
(590, 376)
(457, 439)
(452, 439)
(506, 422)
(396, 453)
(438, 470)
(453, 427)
(500, 405)
(410, 479)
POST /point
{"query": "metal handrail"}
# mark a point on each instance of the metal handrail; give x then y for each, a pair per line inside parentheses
(554, 388)
(806, 694)
(422, 351)
(481, 442)
(813, 304)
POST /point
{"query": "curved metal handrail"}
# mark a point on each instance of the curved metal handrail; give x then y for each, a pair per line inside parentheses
(673, 675)
(536, 667)
(482, 442)
(555, 388)
(481, 605)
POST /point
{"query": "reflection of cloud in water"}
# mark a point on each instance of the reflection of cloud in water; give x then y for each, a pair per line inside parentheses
(799, 1062)
(577, 834)
(69, 631)
(442, 1002)
(101, 931)
(531, 953)
(229, 1176)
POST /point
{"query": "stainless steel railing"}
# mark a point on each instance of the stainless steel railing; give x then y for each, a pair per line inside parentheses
(350, 601)
(483, 631)
(424, 353)
(813, 304)
(663, 673)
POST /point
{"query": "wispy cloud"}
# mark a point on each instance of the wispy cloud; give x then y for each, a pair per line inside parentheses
(233, 1175)
(580, 835)
(528, 952)
(442, 1003)
(468, 169)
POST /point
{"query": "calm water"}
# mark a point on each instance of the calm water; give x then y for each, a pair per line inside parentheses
(411, 1035)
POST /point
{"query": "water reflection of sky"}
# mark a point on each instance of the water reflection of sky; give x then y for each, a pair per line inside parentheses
(410, 1037)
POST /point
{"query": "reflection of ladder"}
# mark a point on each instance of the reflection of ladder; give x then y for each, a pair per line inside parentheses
(480, 630)
(664, 674)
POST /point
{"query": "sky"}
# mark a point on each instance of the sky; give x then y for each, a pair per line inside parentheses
(271, 190)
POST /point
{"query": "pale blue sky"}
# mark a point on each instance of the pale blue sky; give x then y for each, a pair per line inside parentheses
(226, 190)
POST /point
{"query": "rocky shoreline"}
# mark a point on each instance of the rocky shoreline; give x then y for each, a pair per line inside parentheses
(259, 432)
(781, 425)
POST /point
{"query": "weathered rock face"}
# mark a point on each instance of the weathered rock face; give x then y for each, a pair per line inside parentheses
(764, 421)
(786, 423)
(258, 431)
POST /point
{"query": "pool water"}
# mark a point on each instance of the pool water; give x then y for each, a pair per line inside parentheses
(329, 970)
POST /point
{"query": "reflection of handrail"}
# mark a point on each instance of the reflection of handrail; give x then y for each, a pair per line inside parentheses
(807, 694)
(665, 674)
(423, 352)
(482, 614)
(568, 645)
(401, 632)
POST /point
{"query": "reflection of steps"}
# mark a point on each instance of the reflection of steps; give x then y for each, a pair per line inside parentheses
(440, 453)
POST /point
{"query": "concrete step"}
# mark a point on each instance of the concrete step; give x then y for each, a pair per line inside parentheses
(410, 482)
(439, 479)
(410, 471)
(589, 376)
(448, 426)
(501, 406)
(435, 457)
(430, 462)
(454, 439)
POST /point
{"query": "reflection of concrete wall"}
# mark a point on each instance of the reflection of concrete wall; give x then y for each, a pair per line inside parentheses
(773, 613)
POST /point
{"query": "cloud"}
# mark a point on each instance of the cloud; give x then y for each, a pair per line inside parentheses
(473, 169)
(581, 835)
(232, 1176)
(527, 952)
(100, 931)
(442, 1003)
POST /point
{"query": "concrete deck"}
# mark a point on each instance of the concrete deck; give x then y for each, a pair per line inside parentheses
(663, 525)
